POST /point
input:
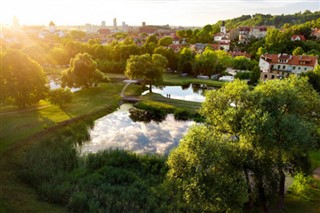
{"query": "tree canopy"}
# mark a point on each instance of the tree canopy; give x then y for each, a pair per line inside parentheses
(22, 79)
(149, 68)
(271, 129)
(83, 72)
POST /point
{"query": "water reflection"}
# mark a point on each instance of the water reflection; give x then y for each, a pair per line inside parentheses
(118, 130)
(53, 84)
(186, 92)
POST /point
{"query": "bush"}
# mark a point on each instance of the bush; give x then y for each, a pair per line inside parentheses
(60, 96)
(182, 114)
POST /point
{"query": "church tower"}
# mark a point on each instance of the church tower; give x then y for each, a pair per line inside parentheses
(223, 28)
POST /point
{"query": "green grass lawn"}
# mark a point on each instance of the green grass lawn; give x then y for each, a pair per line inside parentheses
(18, 126)
(315, 159)
(153, 99)
(175, 79)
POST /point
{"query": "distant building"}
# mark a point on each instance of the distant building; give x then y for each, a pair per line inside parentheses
(115, 24)
(245, 33)
(278, 66)
(316, 33)
(103, 24)
(223, 38)
(52, 27)
(298, 38)
(151, 29)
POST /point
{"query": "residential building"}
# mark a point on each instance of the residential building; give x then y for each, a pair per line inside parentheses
(316, 33)
(298, 38)
(245, 33)
(278, 66)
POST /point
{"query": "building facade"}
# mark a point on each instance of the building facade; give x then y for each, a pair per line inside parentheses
(278, 66)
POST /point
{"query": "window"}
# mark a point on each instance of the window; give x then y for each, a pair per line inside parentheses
(305, 68)
(283, 67)
(265, 76)
(272, 77)
(278, 66)
(299, 68)
(294, 68)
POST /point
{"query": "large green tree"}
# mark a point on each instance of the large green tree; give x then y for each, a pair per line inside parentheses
(82, 72)
(149, 68)
(272, 128)
(22, 79)
(186, 60)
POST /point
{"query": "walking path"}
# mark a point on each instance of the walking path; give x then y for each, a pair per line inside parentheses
(128, 99)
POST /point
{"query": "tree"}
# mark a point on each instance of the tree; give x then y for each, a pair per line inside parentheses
(186, 60)
(22, 79)
(298, 51)
(203, 167)
(272, 128)
(314, 78)
(149, 68)
(242, 63)
(205, 63)
(170, 55)
(60, 96)
(83, 72)
(58, 56)
(165, 41)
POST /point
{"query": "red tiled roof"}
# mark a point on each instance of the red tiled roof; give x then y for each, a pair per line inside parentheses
(301, 37)
(292, 59)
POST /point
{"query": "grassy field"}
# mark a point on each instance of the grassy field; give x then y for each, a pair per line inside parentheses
(16, 126)
(153, 99)
(20, 125)
(20, 129)
(174, 79)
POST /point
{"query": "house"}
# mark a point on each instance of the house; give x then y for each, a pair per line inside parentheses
(258, 32)
(245, 33)
(298, 38)
(225, 43)
(316, 33)
(223, 33)
(278, 66)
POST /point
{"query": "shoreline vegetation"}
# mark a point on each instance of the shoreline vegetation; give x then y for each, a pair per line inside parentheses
(43, 124)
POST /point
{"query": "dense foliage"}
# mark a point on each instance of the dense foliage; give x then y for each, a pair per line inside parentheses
(257, 135)
(83, 72)
(109, 181)
(22, 79)
(146, 67)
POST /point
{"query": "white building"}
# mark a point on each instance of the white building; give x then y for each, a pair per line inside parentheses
(277, 66)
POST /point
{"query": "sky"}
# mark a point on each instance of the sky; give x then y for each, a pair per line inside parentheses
(134, 12)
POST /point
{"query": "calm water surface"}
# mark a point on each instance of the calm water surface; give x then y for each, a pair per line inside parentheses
(187, 93)
(118, 131)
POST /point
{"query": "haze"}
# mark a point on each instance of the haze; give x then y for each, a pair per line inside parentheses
(134, 12)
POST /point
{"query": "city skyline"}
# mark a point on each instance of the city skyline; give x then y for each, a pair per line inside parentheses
(153, 12)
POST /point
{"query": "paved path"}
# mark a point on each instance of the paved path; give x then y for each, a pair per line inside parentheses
(128, 99)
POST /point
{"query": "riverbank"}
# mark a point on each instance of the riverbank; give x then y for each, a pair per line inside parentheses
(24, 128)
